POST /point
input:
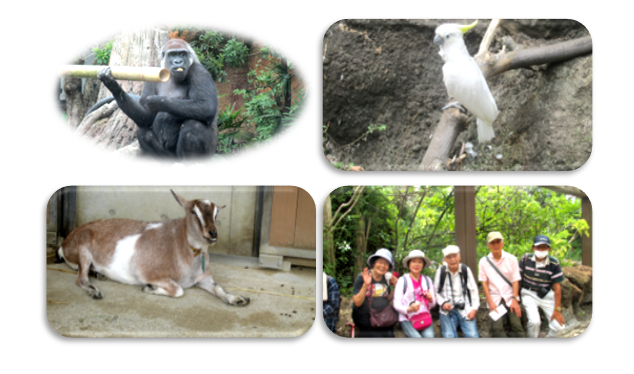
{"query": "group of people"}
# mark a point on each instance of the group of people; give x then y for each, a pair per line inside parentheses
(381, 299)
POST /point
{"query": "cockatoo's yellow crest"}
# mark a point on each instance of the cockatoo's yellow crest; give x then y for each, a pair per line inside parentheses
(465, 28)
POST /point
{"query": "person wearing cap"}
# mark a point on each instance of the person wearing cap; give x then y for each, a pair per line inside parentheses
(500, 277)
(410, 293)
(541, 288)
(457, 293)
(373, 283)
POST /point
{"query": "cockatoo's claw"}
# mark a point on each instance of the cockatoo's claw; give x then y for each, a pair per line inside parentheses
(455, 104)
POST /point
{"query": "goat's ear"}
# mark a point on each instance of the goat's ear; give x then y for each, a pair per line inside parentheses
(178, 198)
(220, 207)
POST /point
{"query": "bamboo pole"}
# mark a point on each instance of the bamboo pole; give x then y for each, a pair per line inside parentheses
(145, 74)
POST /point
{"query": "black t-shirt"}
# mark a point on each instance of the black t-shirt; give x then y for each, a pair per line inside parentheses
(379, 297)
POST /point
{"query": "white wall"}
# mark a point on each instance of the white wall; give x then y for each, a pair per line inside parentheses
(235, 223)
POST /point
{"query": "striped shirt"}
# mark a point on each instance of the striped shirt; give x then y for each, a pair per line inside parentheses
(540, 274)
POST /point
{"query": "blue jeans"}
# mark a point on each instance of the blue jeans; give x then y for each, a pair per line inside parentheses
(449, 325)
(411, 332)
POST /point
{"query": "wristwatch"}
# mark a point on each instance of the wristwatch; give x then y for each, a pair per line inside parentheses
(517, 298)
(558, 309)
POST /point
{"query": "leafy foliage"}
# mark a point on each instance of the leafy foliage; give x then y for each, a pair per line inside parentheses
(102, 55)
(230, 121)
(208, 48)
(522, 213)
(215, 53)
(269, 104)
(373, 128)
(400, 221)
(235, 53)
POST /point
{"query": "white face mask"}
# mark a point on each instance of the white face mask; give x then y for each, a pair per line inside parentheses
(541, 254)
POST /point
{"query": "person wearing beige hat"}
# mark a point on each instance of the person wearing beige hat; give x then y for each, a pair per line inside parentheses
(414, 296)
(500, 277)
(457, 293)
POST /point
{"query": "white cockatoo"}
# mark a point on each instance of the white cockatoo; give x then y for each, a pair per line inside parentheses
(463, 78)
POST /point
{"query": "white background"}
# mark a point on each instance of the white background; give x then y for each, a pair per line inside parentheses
(41, 155)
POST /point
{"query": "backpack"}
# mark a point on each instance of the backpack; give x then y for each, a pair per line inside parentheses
(405, 283)
(443, 276)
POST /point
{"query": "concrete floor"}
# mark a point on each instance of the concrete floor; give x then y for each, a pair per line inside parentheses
(282, 305)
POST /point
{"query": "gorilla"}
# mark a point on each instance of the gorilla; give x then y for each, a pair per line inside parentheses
(177, 118)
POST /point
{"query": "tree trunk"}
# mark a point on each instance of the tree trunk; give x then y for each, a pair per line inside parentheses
(329, 247)
(361, 241)
(359, 262)
(79, 100)
(110, 128)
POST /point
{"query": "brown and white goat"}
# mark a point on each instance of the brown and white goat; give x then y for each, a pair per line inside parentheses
(165, 257)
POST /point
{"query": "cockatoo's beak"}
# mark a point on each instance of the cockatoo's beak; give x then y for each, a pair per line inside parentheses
(438, 40)
(465, 28)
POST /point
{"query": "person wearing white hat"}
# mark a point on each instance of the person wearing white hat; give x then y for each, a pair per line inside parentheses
(457, 293)
(414, 296)
(373, 284)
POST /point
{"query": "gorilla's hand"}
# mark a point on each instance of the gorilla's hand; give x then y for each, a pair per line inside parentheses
(105, 75)
(156, 102)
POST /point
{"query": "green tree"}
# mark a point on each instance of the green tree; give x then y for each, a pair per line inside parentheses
(403, 218)
(269, 104)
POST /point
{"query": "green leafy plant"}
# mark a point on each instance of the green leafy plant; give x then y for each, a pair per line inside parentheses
(269, 104)
(373, 128)
(235, 53)
(340, 165)
(229, 123)
(208, 49)
(102, 55)
(215, 53)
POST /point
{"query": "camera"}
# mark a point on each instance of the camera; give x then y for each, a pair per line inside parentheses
(459, 305)
(542, 292)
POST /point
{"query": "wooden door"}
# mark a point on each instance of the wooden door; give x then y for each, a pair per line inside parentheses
(293, 219)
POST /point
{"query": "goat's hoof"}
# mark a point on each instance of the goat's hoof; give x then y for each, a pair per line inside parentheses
(101, 277)
(148, 288)
(242, 301)
(96, 295)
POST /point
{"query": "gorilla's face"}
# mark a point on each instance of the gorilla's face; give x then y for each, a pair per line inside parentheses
(177, 61)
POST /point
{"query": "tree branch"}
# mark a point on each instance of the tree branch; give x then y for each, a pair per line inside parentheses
(452, 121)
(441, 216)
(488, 37)
(574, 191)
(353, 200)
(409, 228)
(494, 64)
